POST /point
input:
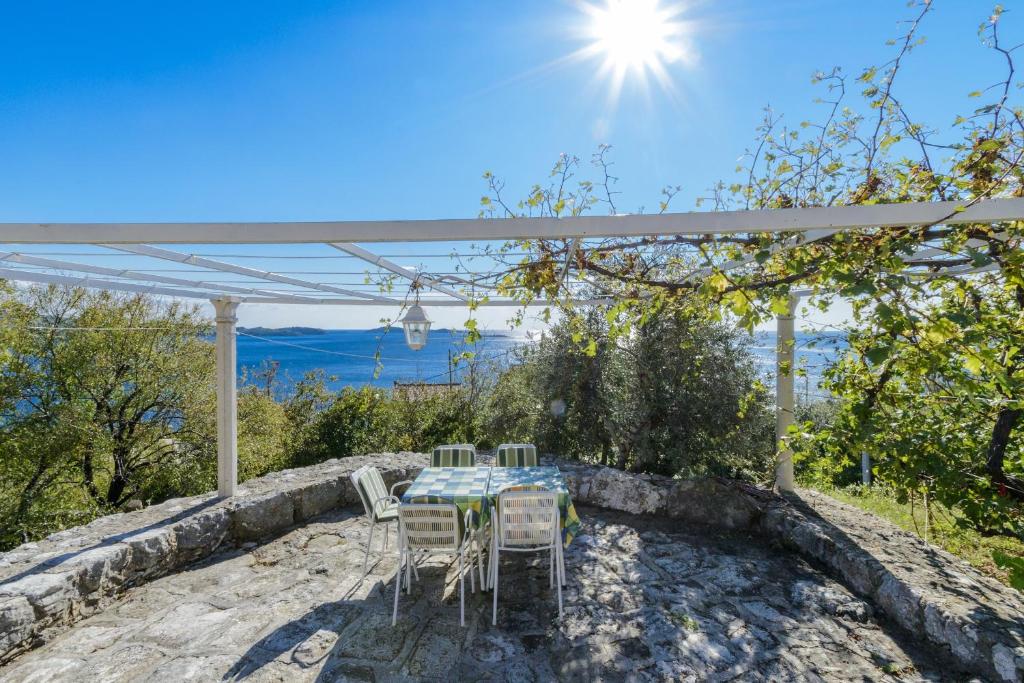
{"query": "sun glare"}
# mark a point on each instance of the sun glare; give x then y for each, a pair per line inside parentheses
(636, 38)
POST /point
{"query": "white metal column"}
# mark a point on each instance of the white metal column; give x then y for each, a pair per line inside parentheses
(227, 398)
(784, 401)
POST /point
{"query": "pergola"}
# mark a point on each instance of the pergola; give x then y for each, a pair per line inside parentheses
(201, 277)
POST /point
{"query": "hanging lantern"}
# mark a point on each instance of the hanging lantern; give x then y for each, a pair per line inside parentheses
(417, 327)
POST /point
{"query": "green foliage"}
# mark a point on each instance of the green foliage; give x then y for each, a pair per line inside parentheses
(356, 421)
(369, 420)
(1014, 567)
(815, 465)
(100, 394)
(264, 435)
(106, 399)
(679, 397)
(110, 399)
(933, 384)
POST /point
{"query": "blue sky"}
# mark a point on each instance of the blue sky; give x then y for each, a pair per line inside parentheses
(359, 110)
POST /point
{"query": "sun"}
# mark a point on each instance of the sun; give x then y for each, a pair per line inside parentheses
(637, 38)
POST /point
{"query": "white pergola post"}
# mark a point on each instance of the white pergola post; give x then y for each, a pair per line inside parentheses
(784, 398)
(227, 398)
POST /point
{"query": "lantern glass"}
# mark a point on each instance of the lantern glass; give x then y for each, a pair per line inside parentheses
(417, 328)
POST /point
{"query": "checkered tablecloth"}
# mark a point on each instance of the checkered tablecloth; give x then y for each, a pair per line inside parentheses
(477, 488)
(464, 486)
(549, 478)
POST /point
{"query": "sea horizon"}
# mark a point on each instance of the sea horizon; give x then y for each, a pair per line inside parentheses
(349, 357)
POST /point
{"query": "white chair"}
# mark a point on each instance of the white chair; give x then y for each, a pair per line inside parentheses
(432, 529)
(527, 522)
(381, 505)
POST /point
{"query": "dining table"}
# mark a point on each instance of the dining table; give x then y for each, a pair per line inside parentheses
(476, 489)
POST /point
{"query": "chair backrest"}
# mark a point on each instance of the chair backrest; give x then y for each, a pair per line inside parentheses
(516, 455)
(454, 455)
(371, 488)
(527, 518)
(430, 526)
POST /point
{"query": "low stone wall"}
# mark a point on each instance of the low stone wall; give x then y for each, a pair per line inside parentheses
(931, 594)
(48, 585)
(927, 591)
(721, 503)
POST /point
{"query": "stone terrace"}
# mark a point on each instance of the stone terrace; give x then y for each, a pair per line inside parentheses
(643, 603)
(670, 580)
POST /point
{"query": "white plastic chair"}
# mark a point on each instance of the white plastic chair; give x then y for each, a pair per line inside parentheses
(432, 529)
(381, 505)
(527, 522)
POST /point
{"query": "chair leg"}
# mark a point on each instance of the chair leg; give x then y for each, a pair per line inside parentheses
(480, 563)
(472, 579)
(490, 562)
(561, 562)
(494, 583)
(462, 589)
(559, 582)
(366, 557)
(551, 567)
(384, 546)
(408, 574)
(398, 588)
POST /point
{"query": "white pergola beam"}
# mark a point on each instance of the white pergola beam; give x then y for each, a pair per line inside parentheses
(96, 283)
(694, 223)
(16, 275)
(384, 263)
(223, 266)
(68, 266)
(443, 303)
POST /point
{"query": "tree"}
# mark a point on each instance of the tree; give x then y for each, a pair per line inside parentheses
(678, 397)
(101, 392)
(933, 381)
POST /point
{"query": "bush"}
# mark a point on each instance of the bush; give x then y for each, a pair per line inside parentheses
(678, 397)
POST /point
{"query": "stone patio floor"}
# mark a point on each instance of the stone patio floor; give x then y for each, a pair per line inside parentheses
(645, 601)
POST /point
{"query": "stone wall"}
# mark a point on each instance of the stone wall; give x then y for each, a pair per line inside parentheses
(48, 585)
(931, 594)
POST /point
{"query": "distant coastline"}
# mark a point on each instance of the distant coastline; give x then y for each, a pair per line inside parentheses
(307, 331)
(281, 331)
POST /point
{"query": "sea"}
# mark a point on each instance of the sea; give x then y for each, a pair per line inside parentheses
(368, 357)
(381, 358)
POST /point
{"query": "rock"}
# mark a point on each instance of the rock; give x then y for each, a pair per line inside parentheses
(199, 535)
(317, 498)
(1009, 664)
(51, 595)
(618, 490)
(152, 551)
(255, 518)
(16, 620)
(713, 502)
(104, 567)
